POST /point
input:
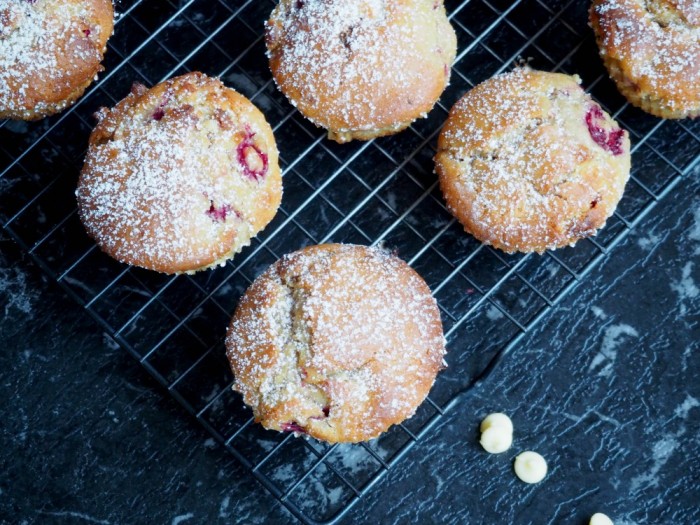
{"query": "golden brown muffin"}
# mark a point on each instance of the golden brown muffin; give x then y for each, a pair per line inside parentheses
(180, 177)
(336, 341)
(651, 49)
(361, 68)
(50, 52)
(528, 162)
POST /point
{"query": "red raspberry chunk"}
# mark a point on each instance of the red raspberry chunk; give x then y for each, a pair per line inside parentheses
(609, 140)
(219, 213)
(254, 161)
(292, 427)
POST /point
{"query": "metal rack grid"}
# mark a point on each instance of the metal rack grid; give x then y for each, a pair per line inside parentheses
(378, 191)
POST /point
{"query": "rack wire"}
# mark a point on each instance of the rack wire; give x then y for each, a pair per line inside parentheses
(371, 192)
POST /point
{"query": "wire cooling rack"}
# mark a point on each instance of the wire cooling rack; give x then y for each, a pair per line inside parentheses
(378, 191)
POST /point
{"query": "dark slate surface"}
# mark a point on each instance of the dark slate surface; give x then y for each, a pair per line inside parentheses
(88, 437)
(607, 389)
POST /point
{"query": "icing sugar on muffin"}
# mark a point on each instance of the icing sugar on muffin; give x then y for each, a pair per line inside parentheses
(361, 68)
(528, 161)
(180, 177)
(50, 52)
(651, 49)
(336, 341)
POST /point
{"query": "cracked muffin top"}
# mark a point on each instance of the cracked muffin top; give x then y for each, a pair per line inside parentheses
(361, 68)
(50, 52)
(528, 161)
(179, 177)
(335, 341)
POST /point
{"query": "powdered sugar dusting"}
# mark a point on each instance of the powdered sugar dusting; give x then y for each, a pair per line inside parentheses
(656, 48)
(44, 44)
(170, 191)
(356, 341)
(356, 57)
(520, 165)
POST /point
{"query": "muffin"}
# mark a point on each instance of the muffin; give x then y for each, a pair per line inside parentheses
(335, 341)
(651, 48)
(180, 177)
(50, 52)
(361, 68)
(528, 161)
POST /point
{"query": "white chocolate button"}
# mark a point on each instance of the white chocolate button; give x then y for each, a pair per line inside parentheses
(496, 439)
(600, 519)
(530, 467)
(497, 419)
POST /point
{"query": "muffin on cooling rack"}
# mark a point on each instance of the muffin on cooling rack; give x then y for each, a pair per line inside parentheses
(528, 162)
(361, 68)
(651, 49)
(50, 52)
(336, 341)
(180, 177)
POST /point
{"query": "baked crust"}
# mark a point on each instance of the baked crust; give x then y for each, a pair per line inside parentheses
(50, 52)
(528, 162)
(651, 49)
(179, 177)
(361, 68)
(336, 341)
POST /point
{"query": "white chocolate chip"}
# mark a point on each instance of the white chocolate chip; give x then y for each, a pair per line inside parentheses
(496, 439)
(600, 519)
(530, 467)
(497, 419)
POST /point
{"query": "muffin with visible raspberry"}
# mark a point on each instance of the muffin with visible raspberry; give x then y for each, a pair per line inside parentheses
(528, 161)
(361, 68)
(50, 52)
(338, 342)
(179, 177)
(651, 48)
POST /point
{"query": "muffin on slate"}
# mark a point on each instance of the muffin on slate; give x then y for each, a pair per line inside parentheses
(361, 68)
(50, 52)
(651, 49)
(528, 161)
(336, 341)
(180, 177)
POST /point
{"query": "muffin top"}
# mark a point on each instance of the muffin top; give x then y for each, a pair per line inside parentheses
(528, 161)
(336, 341)
(49, 49)
(655, 44)
(361, 65)
(179, 177)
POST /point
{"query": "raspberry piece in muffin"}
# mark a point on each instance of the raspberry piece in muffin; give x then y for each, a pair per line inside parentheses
(609, 140)
(254, 160)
